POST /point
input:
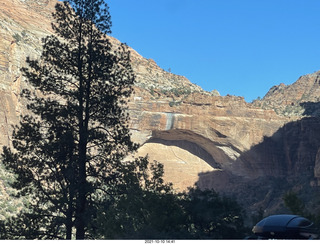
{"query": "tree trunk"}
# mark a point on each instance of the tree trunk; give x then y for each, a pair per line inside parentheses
(81, 203)
(81, 196)
(69, 228)
(69, 223)
(82, 178)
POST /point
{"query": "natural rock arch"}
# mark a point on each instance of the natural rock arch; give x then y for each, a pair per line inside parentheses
(185, 155)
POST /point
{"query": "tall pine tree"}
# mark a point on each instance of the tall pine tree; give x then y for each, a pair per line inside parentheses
(70, 146)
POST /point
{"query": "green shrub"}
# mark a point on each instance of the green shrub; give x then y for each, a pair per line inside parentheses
(17, 37)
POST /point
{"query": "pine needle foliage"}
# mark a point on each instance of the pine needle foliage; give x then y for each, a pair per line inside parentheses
(70, 146)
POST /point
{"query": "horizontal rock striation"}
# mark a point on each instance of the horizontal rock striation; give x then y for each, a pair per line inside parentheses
(254, 151)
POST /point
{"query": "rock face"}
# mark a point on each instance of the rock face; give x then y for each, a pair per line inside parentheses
(22, 25)
(254, 151)
(222, 127)
(300, 98)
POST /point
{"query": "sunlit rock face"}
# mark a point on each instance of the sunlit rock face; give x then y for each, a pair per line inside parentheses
(223, 119)
(300, 98)
(22, 25)
(183, 160)
(255, 151)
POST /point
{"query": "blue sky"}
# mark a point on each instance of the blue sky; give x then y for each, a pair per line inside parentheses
(238, 47)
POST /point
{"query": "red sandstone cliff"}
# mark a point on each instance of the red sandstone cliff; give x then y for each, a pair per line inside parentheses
(200, 137)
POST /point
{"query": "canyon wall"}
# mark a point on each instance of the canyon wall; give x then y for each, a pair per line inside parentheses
(255, 151)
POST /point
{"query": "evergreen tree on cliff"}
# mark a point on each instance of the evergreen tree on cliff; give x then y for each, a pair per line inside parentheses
(70, 147)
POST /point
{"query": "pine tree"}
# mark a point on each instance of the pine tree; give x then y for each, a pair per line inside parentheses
(70, 146)
(294, 203)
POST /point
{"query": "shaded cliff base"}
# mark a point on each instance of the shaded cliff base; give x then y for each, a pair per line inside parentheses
(286, 161)
(258, 178)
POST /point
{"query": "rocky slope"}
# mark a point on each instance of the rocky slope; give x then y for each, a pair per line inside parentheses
(298, 99)
(229, 145)
(216, 129)
(254, 151)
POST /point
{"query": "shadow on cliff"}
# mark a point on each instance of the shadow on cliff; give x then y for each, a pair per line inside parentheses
(311, 109)
(189, 146)
(261, 176)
